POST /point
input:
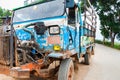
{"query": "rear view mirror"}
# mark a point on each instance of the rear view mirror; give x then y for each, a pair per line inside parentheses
(69, 3)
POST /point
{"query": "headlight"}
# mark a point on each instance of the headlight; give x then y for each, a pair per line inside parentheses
(54, 30)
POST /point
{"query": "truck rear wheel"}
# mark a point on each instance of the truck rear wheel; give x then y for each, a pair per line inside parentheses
(66, 70)
(87, 58)
(92, 52)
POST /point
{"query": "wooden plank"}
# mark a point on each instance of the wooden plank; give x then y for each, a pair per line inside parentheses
(4, 50)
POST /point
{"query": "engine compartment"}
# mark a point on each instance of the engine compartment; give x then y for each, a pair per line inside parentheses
(29, 50)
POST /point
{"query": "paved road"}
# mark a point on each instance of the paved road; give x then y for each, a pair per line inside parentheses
(105, 65)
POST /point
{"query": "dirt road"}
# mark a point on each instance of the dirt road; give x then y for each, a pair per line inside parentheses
(105, 65)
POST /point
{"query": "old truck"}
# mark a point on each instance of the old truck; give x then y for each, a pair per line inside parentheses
(48, 32)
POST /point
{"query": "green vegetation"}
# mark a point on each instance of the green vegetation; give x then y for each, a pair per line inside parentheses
(4, 13)
(109, 13)
(107, 43)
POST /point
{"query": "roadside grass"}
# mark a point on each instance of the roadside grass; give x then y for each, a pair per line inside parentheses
(117, 46)
(106, 43)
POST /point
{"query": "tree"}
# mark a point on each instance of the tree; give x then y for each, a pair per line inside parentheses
(104, 28)
(109, 12)
(104, 32)
(4, 13)
(118, 36)
(1, 12)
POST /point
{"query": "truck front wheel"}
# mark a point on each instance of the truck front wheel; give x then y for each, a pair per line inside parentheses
(66, 70)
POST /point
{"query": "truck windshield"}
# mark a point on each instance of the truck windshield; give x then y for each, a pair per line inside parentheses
(39, 11)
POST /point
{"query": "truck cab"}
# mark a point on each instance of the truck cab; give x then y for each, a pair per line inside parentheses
(53, 30)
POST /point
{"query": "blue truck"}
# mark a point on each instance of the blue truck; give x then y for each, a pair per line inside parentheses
(49, 32)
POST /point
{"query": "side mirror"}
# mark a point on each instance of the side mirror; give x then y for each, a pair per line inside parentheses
(70, 3)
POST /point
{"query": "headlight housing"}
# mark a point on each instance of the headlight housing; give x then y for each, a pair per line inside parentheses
(54, 30)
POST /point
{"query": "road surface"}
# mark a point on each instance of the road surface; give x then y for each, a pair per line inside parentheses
(105, 65)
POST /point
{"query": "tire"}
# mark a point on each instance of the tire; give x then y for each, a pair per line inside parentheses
(87, 59)
(92, 52)
(66, 70)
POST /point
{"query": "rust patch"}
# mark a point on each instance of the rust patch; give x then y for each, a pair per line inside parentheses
(33, 66)
(4, 70)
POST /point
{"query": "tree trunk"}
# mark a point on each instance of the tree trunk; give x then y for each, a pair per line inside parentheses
(103, 40)
(112, 39)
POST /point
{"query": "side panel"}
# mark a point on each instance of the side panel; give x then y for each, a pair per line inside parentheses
(87, 21)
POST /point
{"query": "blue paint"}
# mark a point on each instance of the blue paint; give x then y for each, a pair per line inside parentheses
(22, 35)
(83, 50)
(70, 3)
(65, 37)
(80, 16)
(33, 51)
(70, 37)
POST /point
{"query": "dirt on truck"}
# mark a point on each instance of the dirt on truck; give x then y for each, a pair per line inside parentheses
(59, 32)
(4, 51)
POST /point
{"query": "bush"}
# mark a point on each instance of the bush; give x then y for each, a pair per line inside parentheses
(117, 46)
(106, 43)
(98, 41)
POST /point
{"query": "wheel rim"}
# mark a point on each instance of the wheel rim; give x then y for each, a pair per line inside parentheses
(70, 73)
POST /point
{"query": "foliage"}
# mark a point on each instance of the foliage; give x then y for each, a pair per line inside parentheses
(1, 12)
(104, 31)
(4, 13)
(116, 46)
(109, 13)
(98, 41)
(118, 36)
